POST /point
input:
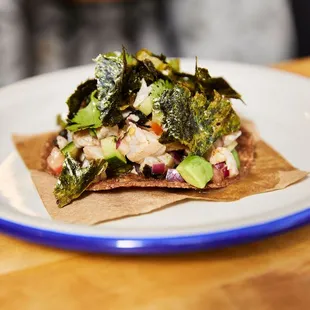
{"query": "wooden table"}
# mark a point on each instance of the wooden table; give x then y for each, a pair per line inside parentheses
(270, 274)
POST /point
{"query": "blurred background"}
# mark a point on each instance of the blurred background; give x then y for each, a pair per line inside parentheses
(38, 36)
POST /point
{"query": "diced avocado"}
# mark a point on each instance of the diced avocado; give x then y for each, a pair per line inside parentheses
(71, 149)
(145, 54)
(157, 117)
(196, 171)
(236, 156)
(174, 64)
(111, 154)
(146, 106)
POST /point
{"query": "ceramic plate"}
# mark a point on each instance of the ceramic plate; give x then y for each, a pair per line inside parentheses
(279, 104)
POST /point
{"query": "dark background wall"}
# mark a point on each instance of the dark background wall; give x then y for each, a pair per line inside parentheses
(38, 36)
(301, 13)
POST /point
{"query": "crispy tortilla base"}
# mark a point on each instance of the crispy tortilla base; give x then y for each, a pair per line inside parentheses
(245, 148)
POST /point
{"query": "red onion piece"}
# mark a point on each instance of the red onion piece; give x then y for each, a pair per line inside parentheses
(118, 143)
(222, 166)
(159, 168)
(225, 172)
(177, 157)
(174, 176)
(137, 168)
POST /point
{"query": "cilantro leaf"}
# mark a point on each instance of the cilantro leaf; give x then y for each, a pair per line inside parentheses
(83, 91)
(158, 88)
(88, 117)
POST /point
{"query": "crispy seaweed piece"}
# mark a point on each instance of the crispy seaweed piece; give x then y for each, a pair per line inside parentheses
(221, 86)
(110, 72)
(118, 171)
(195, 121)
(142, 70)
(214, 119)
(203, 82)
(207, 84)
(76, 100)
(74, 179)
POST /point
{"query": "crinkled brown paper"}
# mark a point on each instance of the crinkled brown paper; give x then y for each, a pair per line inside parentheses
(270, 172)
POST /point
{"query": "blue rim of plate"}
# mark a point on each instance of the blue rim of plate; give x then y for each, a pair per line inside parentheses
(155, 245)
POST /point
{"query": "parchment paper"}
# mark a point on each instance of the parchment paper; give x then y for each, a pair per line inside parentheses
(270, 172)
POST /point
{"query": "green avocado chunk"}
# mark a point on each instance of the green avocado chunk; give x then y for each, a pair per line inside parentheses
(196, 171)
(111, 154)
(236, 156)
(71, 149)
(146, 106)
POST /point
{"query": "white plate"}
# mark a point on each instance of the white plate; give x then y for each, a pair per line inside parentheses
(279, 104)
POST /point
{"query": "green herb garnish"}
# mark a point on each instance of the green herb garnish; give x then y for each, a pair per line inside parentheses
(76, 100)
(193, 109)
(88, 117)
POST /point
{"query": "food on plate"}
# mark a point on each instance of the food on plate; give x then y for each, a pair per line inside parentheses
(142, 122)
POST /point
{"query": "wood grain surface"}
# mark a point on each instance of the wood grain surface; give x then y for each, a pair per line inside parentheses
(270, 274)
